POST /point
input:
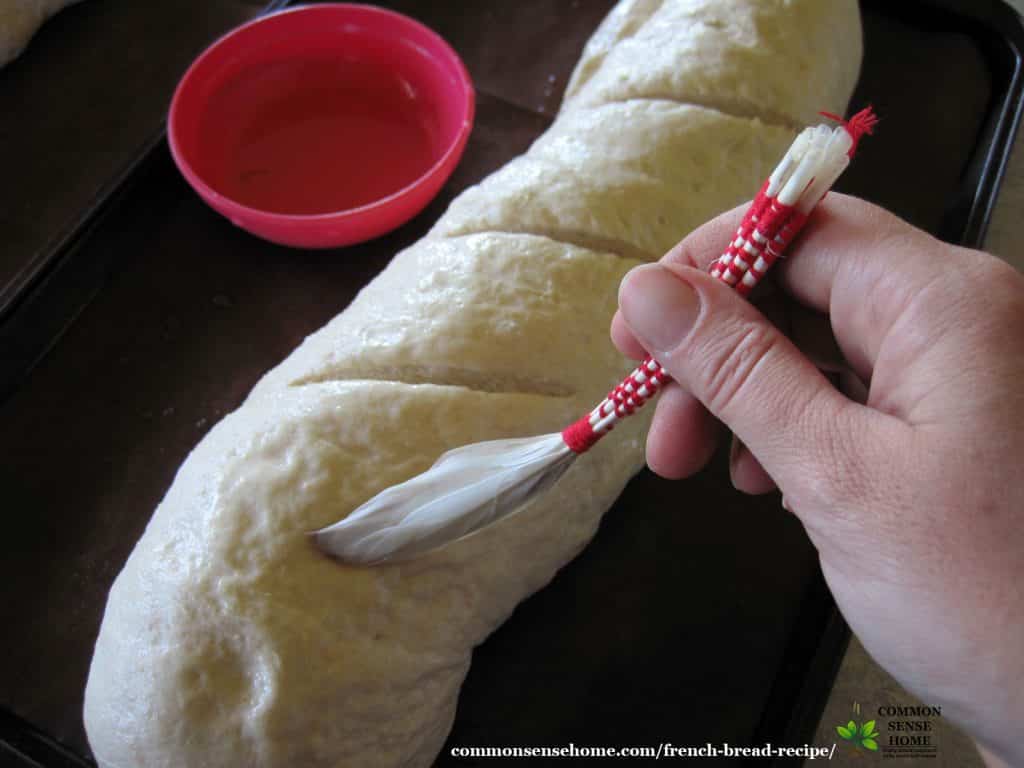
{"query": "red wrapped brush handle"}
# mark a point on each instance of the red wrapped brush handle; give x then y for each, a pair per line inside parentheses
(776, 216)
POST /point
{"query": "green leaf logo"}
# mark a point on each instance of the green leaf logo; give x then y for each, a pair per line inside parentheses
(863, 736)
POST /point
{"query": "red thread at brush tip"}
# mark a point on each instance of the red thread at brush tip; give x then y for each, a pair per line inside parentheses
(580, 436)
(861, 124)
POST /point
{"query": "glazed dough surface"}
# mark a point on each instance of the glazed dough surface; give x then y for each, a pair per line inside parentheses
(227, 640)
(623, 177)
(19, 20)
(477, 311)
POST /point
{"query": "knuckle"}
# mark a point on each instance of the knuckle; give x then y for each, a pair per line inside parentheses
(997, 284)
(979, 296)
(733, 363)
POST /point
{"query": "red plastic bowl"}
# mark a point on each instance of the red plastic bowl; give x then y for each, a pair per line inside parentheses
(322, 125)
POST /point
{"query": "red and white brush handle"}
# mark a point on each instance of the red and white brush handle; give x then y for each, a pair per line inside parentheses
(649, 377)
(778, 213)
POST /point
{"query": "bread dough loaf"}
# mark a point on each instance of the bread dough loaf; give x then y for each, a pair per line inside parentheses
(227, 639)
(19, 20)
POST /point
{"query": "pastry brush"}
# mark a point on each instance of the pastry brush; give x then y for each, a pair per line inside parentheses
(476, 485)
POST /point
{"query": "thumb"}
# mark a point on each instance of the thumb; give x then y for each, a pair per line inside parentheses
(749, 375)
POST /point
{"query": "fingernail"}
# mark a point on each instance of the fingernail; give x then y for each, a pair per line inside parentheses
(658, 305)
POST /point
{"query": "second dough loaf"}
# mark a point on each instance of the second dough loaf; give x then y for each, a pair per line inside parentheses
(19, 21)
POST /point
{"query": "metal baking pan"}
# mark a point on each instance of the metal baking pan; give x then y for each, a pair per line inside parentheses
(697, 615)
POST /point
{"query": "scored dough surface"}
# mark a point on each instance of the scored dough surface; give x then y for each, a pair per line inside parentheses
(491, 311)
(623, 177)
(622, 22)
(227, 640)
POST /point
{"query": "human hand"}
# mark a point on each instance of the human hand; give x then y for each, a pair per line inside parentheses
(907, 481)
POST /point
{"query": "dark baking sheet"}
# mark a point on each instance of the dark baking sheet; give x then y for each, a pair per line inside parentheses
(697, 615)
(79, 109)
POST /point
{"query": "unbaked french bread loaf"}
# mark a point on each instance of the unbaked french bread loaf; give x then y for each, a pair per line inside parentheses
(227, 639)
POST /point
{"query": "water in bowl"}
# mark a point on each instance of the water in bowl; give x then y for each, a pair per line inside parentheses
(318, 135)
